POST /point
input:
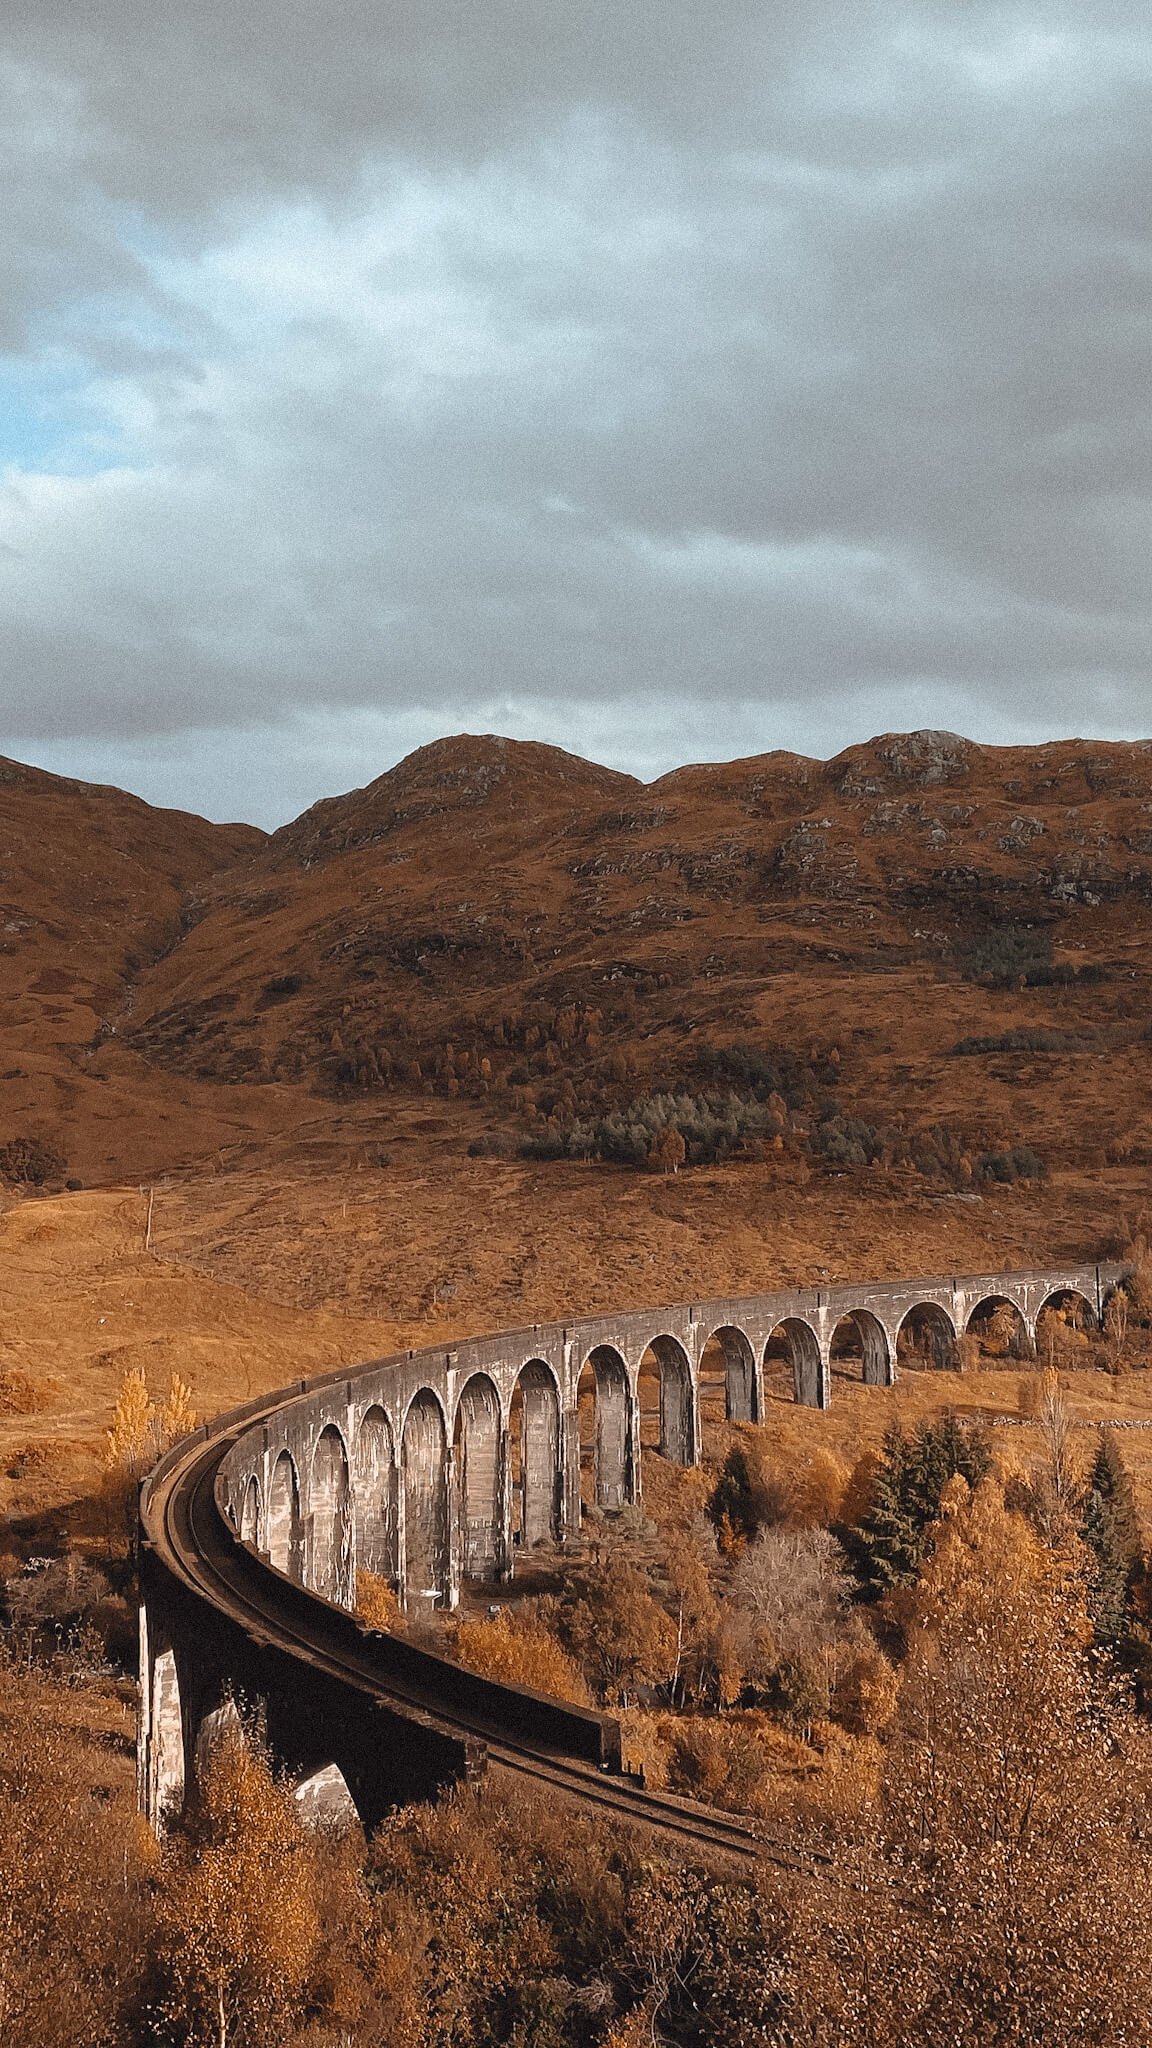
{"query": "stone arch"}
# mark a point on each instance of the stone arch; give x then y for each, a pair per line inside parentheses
(477, 1444)
(536, 1473)
(926, 1339)
(859, 1349)
(166, 1758)
(250, 1512)
(727, 1377)
(374, 1495)
(795, 1346)
(284, 1537)
(424, 1477)
(331, 1563)
(1063, 1321)
(325, 1802)
(997, 1329)
(667, 1422)
(604, 1405)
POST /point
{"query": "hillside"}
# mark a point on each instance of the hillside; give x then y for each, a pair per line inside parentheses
(508, 926)
(327, 1048)
(95, 887)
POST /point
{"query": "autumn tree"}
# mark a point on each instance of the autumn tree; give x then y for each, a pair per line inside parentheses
(1001, 1891)
(669, 1151)
(177, 1417)
(619, 1634)
(130, 1439)
(515, 1651)
(73, 1906)
(238, 1931)
(135, 1438)
(789, 1589)
(708, 1961)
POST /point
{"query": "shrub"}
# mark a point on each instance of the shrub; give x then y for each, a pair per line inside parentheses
(1019, 1163)
(1020, 1041)
(866, 1691)
(517, 1652)
(720, 1762)
(1008, 955)
(377, 1605)
(31, 1161)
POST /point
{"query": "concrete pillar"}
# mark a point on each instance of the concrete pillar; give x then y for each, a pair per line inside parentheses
(452, 1589)
(569, 1456)
(400, 1530)
(503, 1540)
(633, 1478)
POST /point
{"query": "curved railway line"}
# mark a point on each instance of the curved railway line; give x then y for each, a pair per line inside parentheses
(435, 1467)
(184, 1525)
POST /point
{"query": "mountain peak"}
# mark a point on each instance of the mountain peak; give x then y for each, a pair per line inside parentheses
(466, 771)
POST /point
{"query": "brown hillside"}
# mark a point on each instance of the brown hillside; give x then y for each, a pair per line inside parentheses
(569, 926)
(95, 886)
(299, 1038)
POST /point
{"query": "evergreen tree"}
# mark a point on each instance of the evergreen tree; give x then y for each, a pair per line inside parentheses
(731, 1505)
(889, 1546)
(1110, 1530)
(885, 1550)
(1111, 1479)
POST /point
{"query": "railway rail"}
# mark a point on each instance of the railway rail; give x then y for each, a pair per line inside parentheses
(191, 1537)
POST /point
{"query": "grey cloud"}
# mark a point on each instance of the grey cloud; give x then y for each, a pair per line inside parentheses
(698, 358)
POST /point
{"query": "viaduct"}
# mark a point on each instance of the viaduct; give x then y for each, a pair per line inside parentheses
(437, 1467)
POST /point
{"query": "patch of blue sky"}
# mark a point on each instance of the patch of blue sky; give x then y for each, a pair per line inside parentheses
(66, 405)
(49, 420)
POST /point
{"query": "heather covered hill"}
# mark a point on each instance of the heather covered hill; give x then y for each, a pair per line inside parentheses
(94, 883)
(928, 932)
(94, 886)
(494, 921)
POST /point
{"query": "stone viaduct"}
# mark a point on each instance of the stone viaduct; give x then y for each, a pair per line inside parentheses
(440, 1466)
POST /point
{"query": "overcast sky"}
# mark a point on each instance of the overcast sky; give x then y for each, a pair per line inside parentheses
(669, 381)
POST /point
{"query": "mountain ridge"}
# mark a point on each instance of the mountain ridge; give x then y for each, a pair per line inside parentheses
(489, 909)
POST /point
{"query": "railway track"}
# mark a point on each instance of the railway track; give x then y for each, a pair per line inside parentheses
(184, 1525)
(410, 1457)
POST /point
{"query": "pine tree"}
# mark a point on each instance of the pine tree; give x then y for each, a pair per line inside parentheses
(1110, 1530)
(889, 1546)
(885, 1550)
(1111, 1479)
(731, 1504)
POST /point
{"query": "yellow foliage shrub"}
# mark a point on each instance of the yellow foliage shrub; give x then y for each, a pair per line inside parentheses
(816, 1490)
(377, 1605)
(517, 1653)
(720, 1760)
(865, 1696)
(646, 1745)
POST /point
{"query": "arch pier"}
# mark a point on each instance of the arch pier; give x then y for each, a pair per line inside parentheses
(436, 1468)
